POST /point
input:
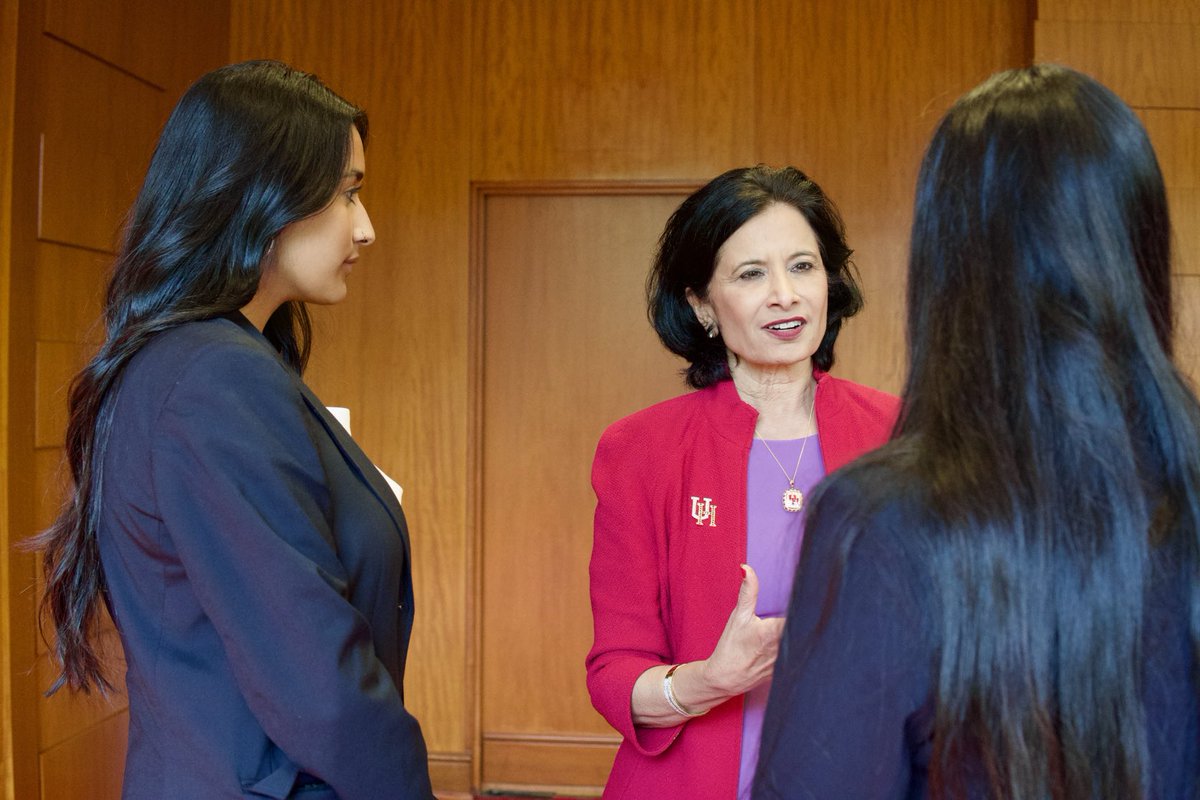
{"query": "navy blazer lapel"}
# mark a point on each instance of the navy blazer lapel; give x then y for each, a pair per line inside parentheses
(351, 452)
(357, 459)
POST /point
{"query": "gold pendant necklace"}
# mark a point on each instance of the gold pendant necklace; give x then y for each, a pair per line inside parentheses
(793, 498)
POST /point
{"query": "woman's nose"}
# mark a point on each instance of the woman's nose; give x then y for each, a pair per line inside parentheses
(364, 233)
(783, 293)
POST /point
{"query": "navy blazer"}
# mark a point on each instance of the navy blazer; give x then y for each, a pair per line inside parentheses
(258, 572)
(852, 706)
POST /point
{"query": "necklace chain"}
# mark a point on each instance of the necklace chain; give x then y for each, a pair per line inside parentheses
(793, 499)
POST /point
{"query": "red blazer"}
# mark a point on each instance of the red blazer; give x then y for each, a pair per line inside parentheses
(665, 574)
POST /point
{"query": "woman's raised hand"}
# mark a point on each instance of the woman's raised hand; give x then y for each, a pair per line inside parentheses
(745, 653)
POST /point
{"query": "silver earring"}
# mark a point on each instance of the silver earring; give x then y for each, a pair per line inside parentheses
(710, 328)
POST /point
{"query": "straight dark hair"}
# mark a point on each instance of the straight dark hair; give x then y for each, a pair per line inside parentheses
(249, 149)
(687, 258)
(1054, 440)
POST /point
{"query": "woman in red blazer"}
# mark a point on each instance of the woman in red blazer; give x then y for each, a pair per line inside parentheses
(700, 497)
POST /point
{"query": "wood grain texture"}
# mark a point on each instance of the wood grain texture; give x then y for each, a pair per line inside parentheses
(1187, 327)
(87, 765)
(858, 123)
(13, 716)
(97, 137)
(396, 351)
(451, 774)
(138, 38)
(57, 363)
(1185, 217)
(69, 293)
(1180, 11)
(1175, 135)
(64, 714)
(612, 88)
(567, 350)
(577, 766)
(1150, 65)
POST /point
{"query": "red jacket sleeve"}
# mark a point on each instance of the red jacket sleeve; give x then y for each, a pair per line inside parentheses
(627, 586)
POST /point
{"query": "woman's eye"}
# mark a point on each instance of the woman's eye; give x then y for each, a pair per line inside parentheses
(803, 266)
(352, 194)
(750, 274)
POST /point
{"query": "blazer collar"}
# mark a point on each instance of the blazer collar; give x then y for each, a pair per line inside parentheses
(734, 419)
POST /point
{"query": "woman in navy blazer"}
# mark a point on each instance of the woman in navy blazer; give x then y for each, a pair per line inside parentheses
(254, 561)
(1003, 601)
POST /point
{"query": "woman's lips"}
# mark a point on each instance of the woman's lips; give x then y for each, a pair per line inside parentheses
(786, 329)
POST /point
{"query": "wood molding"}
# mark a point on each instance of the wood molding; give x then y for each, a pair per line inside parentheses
(565, 764)
(481, 190)
(450, 773)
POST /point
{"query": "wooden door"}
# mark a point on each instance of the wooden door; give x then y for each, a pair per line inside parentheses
(566, 349)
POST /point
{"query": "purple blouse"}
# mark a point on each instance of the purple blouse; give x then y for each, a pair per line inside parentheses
(773, 537)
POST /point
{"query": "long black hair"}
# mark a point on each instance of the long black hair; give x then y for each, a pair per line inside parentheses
(249, 148)
(687, 257)
(1055, 441)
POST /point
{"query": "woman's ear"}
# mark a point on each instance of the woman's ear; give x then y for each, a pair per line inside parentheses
(704, 313)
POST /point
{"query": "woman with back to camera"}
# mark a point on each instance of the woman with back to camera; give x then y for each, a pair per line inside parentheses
(254, 561)
(700, 498)
(1002, 601)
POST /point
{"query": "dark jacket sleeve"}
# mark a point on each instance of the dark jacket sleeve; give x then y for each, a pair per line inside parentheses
(243, 495)
(852, 677)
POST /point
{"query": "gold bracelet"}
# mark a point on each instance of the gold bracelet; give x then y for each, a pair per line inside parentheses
(673, 701)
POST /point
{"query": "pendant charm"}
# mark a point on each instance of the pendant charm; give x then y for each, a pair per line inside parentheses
(793, 499)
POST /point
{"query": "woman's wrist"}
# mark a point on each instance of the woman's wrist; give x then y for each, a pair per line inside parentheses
(673, 699)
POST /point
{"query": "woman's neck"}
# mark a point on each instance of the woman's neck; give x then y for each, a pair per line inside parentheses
(782, 397)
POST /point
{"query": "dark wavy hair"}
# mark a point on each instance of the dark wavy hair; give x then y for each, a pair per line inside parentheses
(1054, 439)
(249, 148)
(687, 257)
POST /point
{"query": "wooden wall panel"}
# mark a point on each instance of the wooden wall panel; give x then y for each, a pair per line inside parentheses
(1187, 327)
(96, 142)
(138, 38)
(1185, 217)
(1150, 65)
(97, 137)
(612, 88)
(396, 351)
(88, 765)
(575, 766)
(57, 363)
(63, 715)
(1182, 11)
(69, 293)
(1175, 134)
(851, 96)
(17, 709)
